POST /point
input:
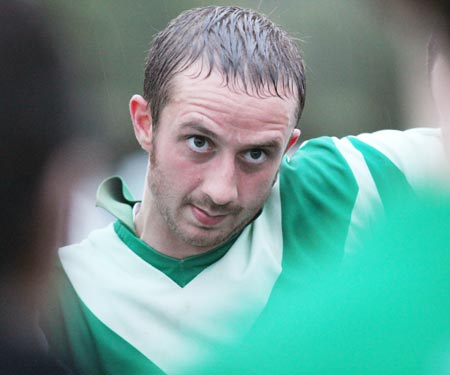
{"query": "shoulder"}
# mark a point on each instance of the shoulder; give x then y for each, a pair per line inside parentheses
(392, 143)
(388, 140)
(318, 191)
(319, 166)
(95, 241)
(418, 153)
(80, 262)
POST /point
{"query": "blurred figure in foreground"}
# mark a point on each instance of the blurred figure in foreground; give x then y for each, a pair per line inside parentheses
(386, 313)
(33, 126)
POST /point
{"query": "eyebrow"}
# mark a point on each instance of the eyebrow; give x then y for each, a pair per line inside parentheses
(270, 144)
(200, 128)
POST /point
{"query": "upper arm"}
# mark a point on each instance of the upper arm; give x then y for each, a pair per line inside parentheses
(334, 189)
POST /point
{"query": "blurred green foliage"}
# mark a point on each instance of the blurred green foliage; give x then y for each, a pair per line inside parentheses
(351, 69)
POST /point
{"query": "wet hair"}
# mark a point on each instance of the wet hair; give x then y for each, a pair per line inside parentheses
(249, 50)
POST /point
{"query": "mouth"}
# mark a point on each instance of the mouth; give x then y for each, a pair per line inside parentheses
(205, 218)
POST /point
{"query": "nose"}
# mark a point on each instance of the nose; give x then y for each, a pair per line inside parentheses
(220, 183)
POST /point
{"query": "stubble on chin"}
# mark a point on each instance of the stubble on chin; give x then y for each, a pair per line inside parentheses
(188, 233)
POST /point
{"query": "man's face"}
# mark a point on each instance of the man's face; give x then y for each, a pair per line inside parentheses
(214, 158)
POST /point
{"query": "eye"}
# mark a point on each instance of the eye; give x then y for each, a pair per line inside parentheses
(255, 156)
(198, 143)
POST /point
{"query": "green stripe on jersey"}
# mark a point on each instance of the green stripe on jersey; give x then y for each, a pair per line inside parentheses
(181, 271)
(390, 181)
(318, 192)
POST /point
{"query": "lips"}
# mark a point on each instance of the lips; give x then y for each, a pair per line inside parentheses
(205, 218)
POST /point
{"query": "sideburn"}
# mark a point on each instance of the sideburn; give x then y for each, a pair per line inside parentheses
(152, 152)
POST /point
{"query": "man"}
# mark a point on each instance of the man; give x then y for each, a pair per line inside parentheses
(225, 222)
(33, 190)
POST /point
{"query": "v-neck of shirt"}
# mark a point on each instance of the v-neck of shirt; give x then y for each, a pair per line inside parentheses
(114, 196)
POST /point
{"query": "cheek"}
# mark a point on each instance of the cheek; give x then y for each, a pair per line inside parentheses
(255, 188)
(181, 171)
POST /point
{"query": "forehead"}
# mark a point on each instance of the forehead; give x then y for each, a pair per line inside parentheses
(196, 89)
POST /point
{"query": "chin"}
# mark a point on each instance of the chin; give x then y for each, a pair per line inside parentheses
(206, 240)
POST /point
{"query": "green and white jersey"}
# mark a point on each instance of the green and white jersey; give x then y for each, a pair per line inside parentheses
(121, 307)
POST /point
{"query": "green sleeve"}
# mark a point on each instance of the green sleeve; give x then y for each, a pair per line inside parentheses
(318, 192)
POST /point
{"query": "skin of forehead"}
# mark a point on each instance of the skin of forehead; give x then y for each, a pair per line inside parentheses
(197, 73)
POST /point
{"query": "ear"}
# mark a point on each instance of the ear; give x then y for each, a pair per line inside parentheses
(142, 121)
(293, 140)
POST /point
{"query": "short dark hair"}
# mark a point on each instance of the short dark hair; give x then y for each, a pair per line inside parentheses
(244, 46)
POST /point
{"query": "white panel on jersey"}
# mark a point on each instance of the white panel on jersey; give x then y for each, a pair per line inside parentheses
(178, 328)
(363, 211)
(418, 153)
